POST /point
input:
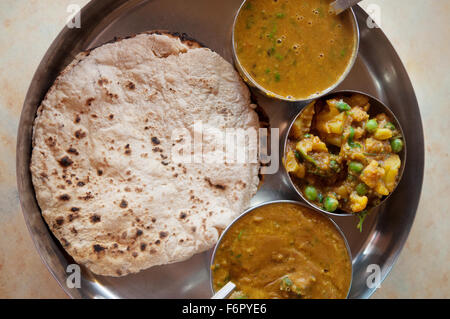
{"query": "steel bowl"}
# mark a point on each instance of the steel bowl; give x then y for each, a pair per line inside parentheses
(251, 82)
(376, 107)
(252, 209)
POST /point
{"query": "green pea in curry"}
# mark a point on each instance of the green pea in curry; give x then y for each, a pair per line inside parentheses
(283, 251)
(294, 49)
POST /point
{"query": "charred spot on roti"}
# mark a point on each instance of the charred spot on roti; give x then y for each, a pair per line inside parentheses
(65, 242)
(111, 116)
(98, 248)
(163, 234)
(59, 220)
(65, 161)
(95, 218)
(157, 149)
(64, 197)
(72, 150)
(75, 209)
(183, 215)
(155, 140)
(86, 197)
(157, 242)
(131, 85)
(80, 184)
(186, 39)
(123, 204)
(139, 233)
(72, 217)
(119, 272)
(127, 149)
(143, 246)
(102, 81)
(79, 134)
(112, 95)
(89, 101)
(241, 185)
(195, 199)
(77, 119)
(99, 172)
(50, 141)
(218, 186)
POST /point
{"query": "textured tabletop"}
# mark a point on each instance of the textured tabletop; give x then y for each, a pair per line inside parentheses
(422, 41)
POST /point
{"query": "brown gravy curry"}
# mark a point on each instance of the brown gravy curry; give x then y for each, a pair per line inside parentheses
(294, 49)
(283, 251)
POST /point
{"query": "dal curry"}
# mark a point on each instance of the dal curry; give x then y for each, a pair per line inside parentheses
(294, 49)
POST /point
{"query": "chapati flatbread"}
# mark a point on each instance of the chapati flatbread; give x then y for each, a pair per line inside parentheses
(101, 162)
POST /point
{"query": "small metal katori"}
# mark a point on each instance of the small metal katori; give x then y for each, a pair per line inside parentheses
(246, 76)
(376, 107)
(377, 71)
(253, 209)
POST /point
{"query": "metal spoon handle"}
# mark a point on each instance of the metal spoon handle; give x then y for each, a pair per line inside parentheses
(225, 291)
(339, 6)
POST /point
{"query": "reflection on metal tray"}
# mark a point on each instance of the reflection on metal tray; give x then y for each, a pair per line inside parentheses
(378, 71)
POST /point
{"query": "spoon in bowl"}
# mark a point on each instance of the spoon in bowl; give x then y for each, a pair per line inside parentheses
(339, 6)
(225, 291)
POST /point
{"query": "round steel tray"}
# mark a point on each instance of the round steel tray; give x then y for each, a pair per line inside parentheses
(378, 71)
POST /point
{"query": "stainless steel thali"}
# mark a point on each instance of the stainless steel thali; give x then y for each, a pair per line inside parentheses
(378, 71)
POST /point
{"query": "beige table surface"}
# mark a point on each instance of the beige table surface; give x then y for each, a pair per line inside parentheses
(418, 29)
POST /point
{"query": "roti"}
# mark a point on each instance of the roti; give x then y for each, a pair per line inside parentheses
(102, 161)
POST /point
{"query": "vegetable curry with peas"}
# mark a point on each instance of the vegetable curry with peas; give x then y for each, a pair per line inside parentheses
(341, 158)
(294, 49)
(283, 251)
